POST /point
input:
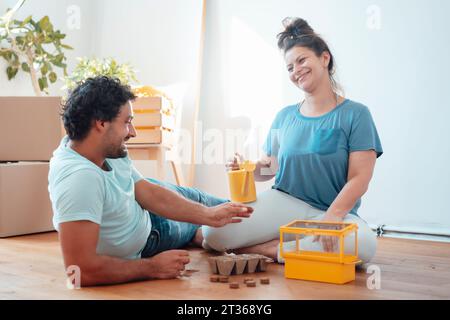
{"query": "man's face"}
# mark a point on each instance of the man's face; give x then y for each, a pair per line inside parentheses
(120, 130)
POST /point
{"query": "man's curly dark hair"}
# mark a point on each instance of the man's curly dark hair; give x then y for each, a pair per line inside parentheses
(98, 98)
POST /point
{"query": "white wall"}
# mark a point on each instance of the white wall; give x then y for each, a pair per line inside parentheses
(399, 71)
(62, 14)
(161, 39)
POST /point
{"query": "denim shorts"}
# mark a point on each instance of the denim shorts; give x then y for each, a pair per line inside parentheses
(168, 234)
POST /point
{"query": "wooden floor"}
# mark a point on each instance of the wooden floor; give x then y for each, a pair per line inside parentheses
(31, 267)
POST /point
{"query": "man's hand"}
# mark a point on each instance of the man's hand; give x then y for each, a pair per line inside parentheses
(168, 264)
(226, 213)
(172, 205)
(79, 241)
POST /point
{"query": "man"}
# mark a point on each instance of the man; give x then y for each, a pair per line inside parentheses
(113, 224)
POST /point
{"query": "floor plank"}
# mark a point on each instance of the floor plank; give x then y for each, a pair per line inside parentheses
(31, 267)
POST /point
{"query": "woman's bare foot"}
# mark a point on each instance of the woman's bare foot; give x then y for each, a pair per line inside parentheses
(197, 239)
(268, 249)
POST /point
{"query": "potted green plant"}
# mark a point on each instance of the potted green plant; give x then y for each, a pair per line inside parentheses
(92, 67)
(125, 72)
(33, 46)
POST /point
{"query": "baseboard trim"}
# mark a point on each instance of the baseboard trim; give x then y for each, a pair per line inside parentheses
(412, 234)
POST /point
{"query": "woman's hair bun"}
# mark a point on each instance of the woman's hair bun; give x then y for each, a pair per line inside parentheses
(297, 27)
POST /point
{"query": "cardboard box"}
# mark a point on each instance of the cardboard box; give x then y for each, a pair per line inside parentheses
(31, 128)
(25, 205)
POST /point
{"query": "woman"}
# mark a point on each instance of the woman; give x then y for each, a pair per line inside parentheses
(321, 151)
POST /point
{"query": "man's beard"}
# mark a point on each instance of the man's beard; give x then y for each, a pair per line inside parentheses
(114, 152)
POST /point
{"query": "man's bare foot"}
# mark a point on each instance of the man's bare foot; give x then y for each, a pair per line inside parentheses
(197, 239)
(268, 249)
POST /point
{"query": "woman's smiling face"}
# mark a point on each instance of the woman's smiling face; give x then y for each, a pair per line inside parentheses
(306, 69)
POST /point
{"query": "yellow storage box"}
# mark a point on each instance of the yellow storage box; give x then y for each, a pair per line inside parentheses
(332, 267)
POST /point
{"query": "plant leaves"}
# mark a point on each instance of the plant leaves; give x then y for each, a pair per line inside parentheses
(11, 72)
(94, 67)
(45, 24)
(65, 46)
(25, 67)
(35, 36)
(52, 77)
(7, 55)
(26, 21)
(43, 83)
(58, 61)
(20, 40)
(44, 69)
(58, 35)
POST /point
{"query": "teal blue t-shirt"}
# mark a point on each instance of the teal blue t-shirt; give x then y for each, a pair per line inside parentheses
(80, 190)
(313, 152)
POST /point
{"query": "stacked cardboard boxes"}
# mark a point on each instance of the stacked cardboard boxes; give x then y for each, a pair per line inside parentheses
(31, 130)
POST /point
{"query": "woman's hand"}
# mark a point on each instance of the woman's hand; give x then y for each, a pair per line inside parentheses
(265, 170)
(329, 243)
(233, 163)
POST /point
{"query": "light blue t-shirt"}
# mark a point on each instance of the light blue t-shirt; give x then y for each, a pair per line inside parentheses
(313, 152)
(80, 190)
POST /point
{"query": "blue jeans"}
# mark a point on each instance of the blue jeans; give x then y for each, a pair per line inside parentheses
(168, 234)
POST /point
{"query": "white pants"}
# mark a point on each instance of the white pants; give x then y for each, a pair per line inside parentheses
(274, 209)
